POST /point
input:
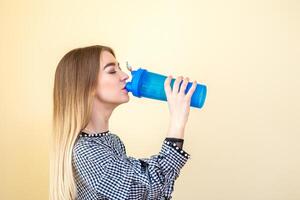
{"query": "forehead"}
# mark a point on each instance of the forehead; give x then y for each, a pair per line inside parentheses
(106, 57)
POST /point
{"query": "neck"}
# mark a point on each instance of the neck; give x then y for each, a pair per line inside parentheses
(100, 118)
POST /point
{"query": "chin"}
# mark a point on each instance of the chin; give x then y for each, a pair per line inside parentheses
(125, 99)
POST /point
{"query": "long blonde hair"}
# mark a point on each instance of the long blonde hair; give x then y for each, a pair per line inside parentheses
(75, 83)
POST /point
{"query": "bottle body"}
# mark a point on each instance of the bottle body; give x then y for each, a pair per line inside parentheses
(151, 85)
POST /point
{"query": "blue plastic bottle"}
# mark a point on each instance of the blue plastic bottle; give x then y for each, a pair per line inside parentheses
(151, 85)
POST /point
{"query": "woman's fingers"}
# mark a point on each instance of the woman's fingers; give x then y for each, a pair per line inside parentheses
(179, 103)
(176, 84)
(191, 90)
(183, 85)
(167, 85)
(177, 88)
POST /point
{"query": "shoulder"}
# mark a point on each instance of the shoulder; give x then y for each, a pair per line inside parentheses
(116, 137)
(119, 143)
(86, 149)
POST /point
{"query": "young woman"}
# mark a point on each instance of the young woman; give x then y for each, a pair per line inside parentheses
(88, 161)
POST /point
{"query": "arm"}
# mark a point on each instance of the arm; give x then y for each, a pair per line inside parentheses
(117, 177)
(164, 166)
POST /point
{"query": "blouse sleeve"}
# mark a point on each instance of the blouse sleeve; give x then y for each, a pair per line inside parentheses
(178, 141)
(116, 175)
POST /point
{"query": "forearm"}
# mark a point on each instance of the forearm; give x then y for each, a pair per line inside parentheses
(175, 132)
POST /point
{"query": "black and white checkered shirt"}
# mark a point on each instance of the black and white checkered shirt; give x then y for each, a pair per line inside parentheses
(104, 171)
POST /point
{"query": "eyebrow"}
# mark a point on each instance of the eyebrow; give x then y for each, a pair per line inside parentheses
(111, 64)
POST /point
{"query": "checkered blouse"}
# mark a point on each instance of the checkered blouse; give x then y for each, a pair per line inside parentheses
(104, 171)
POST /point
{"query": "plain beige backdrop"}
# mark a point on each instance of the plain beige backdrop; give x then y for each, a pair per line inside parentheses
(244, 143)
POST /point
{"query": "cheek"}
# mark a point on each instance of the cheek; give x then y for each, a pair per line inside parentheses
(106, 88)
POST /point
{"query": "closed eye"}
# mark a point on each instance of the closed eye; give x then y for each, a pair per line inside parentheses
(113, 72)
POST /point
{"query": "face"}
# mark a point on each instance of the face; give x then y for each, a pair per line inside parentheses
(111, 81)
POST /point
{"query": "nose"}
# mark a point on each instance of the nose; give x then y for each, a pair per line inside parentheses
(124, 76)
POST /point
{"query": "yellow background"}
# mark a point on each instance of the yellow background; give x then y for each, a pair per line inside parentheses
(244, 143)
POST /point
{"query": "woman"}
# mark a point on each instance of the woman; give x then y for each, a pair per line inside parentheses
(90, 162)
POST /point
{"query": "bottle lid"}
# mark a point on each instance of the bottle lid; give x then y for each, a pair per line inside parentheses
(136, 81)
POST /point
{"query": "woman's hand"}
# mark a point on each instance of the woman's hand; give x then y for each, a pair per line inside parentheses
(179, 104)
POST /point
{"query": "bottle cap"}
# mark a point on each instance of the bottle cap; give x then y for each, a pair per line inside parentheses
(136, 82)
